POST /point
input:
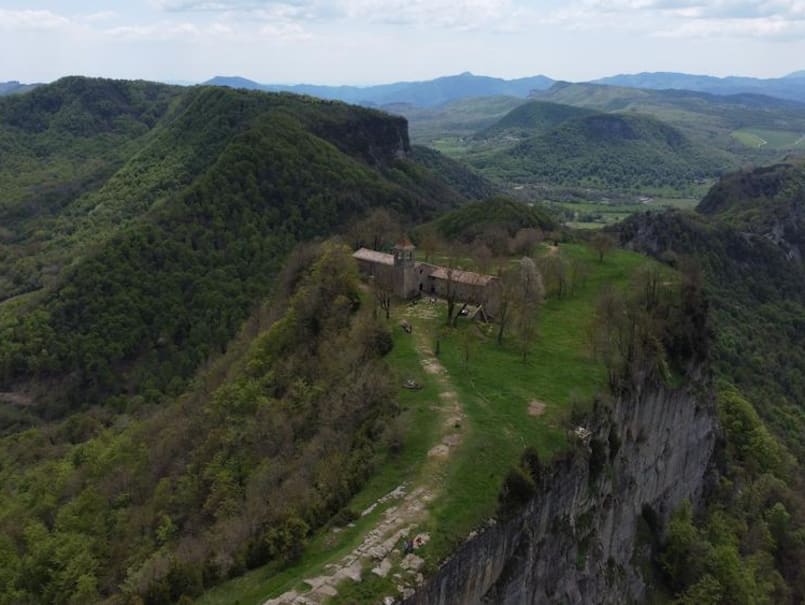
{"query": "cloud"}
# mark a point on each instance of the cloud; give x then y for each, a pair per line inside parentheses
(773, 19)
(463, 14)
(229, 5)
(286, 31)
(170, 30)
(460, 14)
(17, 20)
(771, 28)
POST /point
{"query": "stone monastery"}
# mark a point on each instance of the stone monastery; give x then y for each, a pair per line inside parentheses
(407, 278)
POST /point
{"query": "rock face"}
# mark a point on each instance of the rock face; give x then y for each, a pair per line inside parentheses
(377, 138)
(577, 540)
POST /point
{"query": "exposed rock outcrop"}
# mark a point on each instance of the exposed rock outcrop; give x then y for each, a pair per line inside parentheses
(577, 540)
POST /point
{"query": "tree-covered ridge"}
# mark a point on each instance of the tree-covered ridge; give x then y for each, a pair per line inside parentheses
(462, 178)
(532, 118)
(175, 248)
(757, 304)
(748, 544)
(769, 201)
(617, 151)
(224, 479)
(469, 221)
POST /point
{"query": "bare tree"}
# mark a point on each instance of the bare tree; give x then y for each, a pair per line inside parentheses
(578, 273)
(451, 294)
(554, 268)
(482, 256)
(531, 293)
(602, 244)
(496, 238)
(522, 291)
(383, 295)
(451, 283)
(376, 229)
(525, 241)
(429, 242)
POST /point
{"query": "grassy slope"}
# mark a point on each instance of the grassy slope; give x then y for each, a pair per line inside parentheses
(774, 139)
(495, 388)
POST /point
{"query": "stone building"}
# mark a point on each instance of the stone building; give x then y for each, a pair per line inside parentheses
(402, 274)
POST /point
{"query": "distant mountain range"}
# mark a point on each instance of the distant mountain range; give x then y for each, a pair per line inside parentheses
(790, 87)
(437, 92)
(424, 94)
(432, 93)
(14, 87)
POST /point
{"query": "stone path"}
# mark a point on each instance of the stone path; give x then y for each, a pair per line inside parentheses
(381, 550)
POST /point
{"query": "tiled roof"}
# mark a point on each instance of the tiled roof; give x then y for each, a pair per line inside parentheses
(373, 256)
(462, 277)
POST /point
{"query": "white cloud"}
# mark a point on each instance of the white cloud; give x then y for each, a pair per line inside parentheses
(284, 31)
(459, 14)
(462, 14)
(771, 28)
(772, 19)
(17, 20)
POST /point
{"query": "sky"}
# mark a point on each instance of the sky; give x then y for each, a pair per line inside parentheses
(376, 41)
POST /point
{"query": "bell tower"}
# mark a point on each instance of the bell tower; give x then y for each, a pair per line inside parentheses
(405, 282)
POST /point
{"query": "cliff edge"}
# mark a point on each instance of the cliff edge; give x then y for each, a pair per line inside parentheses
(578, 540)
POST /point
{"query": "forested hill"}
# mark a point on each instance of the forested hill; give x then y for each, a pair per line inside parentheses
(756, 291)
(140, 223)
(532, 118)
(747, 238)
(769, 201)
(605, 151)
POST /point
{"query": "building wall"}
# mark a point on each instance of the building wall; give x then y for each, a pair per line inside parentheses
(408, 280)
(487, 295)
(383, 274)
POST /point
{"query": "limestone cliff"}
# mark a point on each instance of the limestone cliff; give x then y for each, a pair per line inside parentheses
(577, 540)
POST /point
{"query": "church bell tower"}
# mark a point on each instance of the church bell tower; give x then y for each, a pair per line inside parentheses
(405, 282)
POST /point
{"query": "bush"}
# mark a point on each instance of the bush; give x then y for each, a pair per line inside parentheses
(518, 488)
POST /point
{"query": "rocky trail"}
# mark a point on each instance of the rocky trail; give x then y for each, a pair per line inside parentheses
(392, 548)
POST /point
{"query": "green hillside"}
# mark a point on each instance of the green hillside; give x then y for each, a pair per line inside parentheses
(469, 221)
(743, 245)
(617, 151)
(756, 199)
(714, 120)
(748, 237)
(270, 441)
(138, 276)
(535, 117)
(459, 176)
(455, 120)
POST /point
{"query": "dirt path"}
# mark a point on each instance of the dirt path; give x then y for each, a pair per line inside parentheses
(380, 552)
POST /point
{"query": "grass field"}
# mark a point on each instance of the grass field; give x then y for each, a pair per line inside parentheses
(494, 388)
(771, 139)
(594, 215)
